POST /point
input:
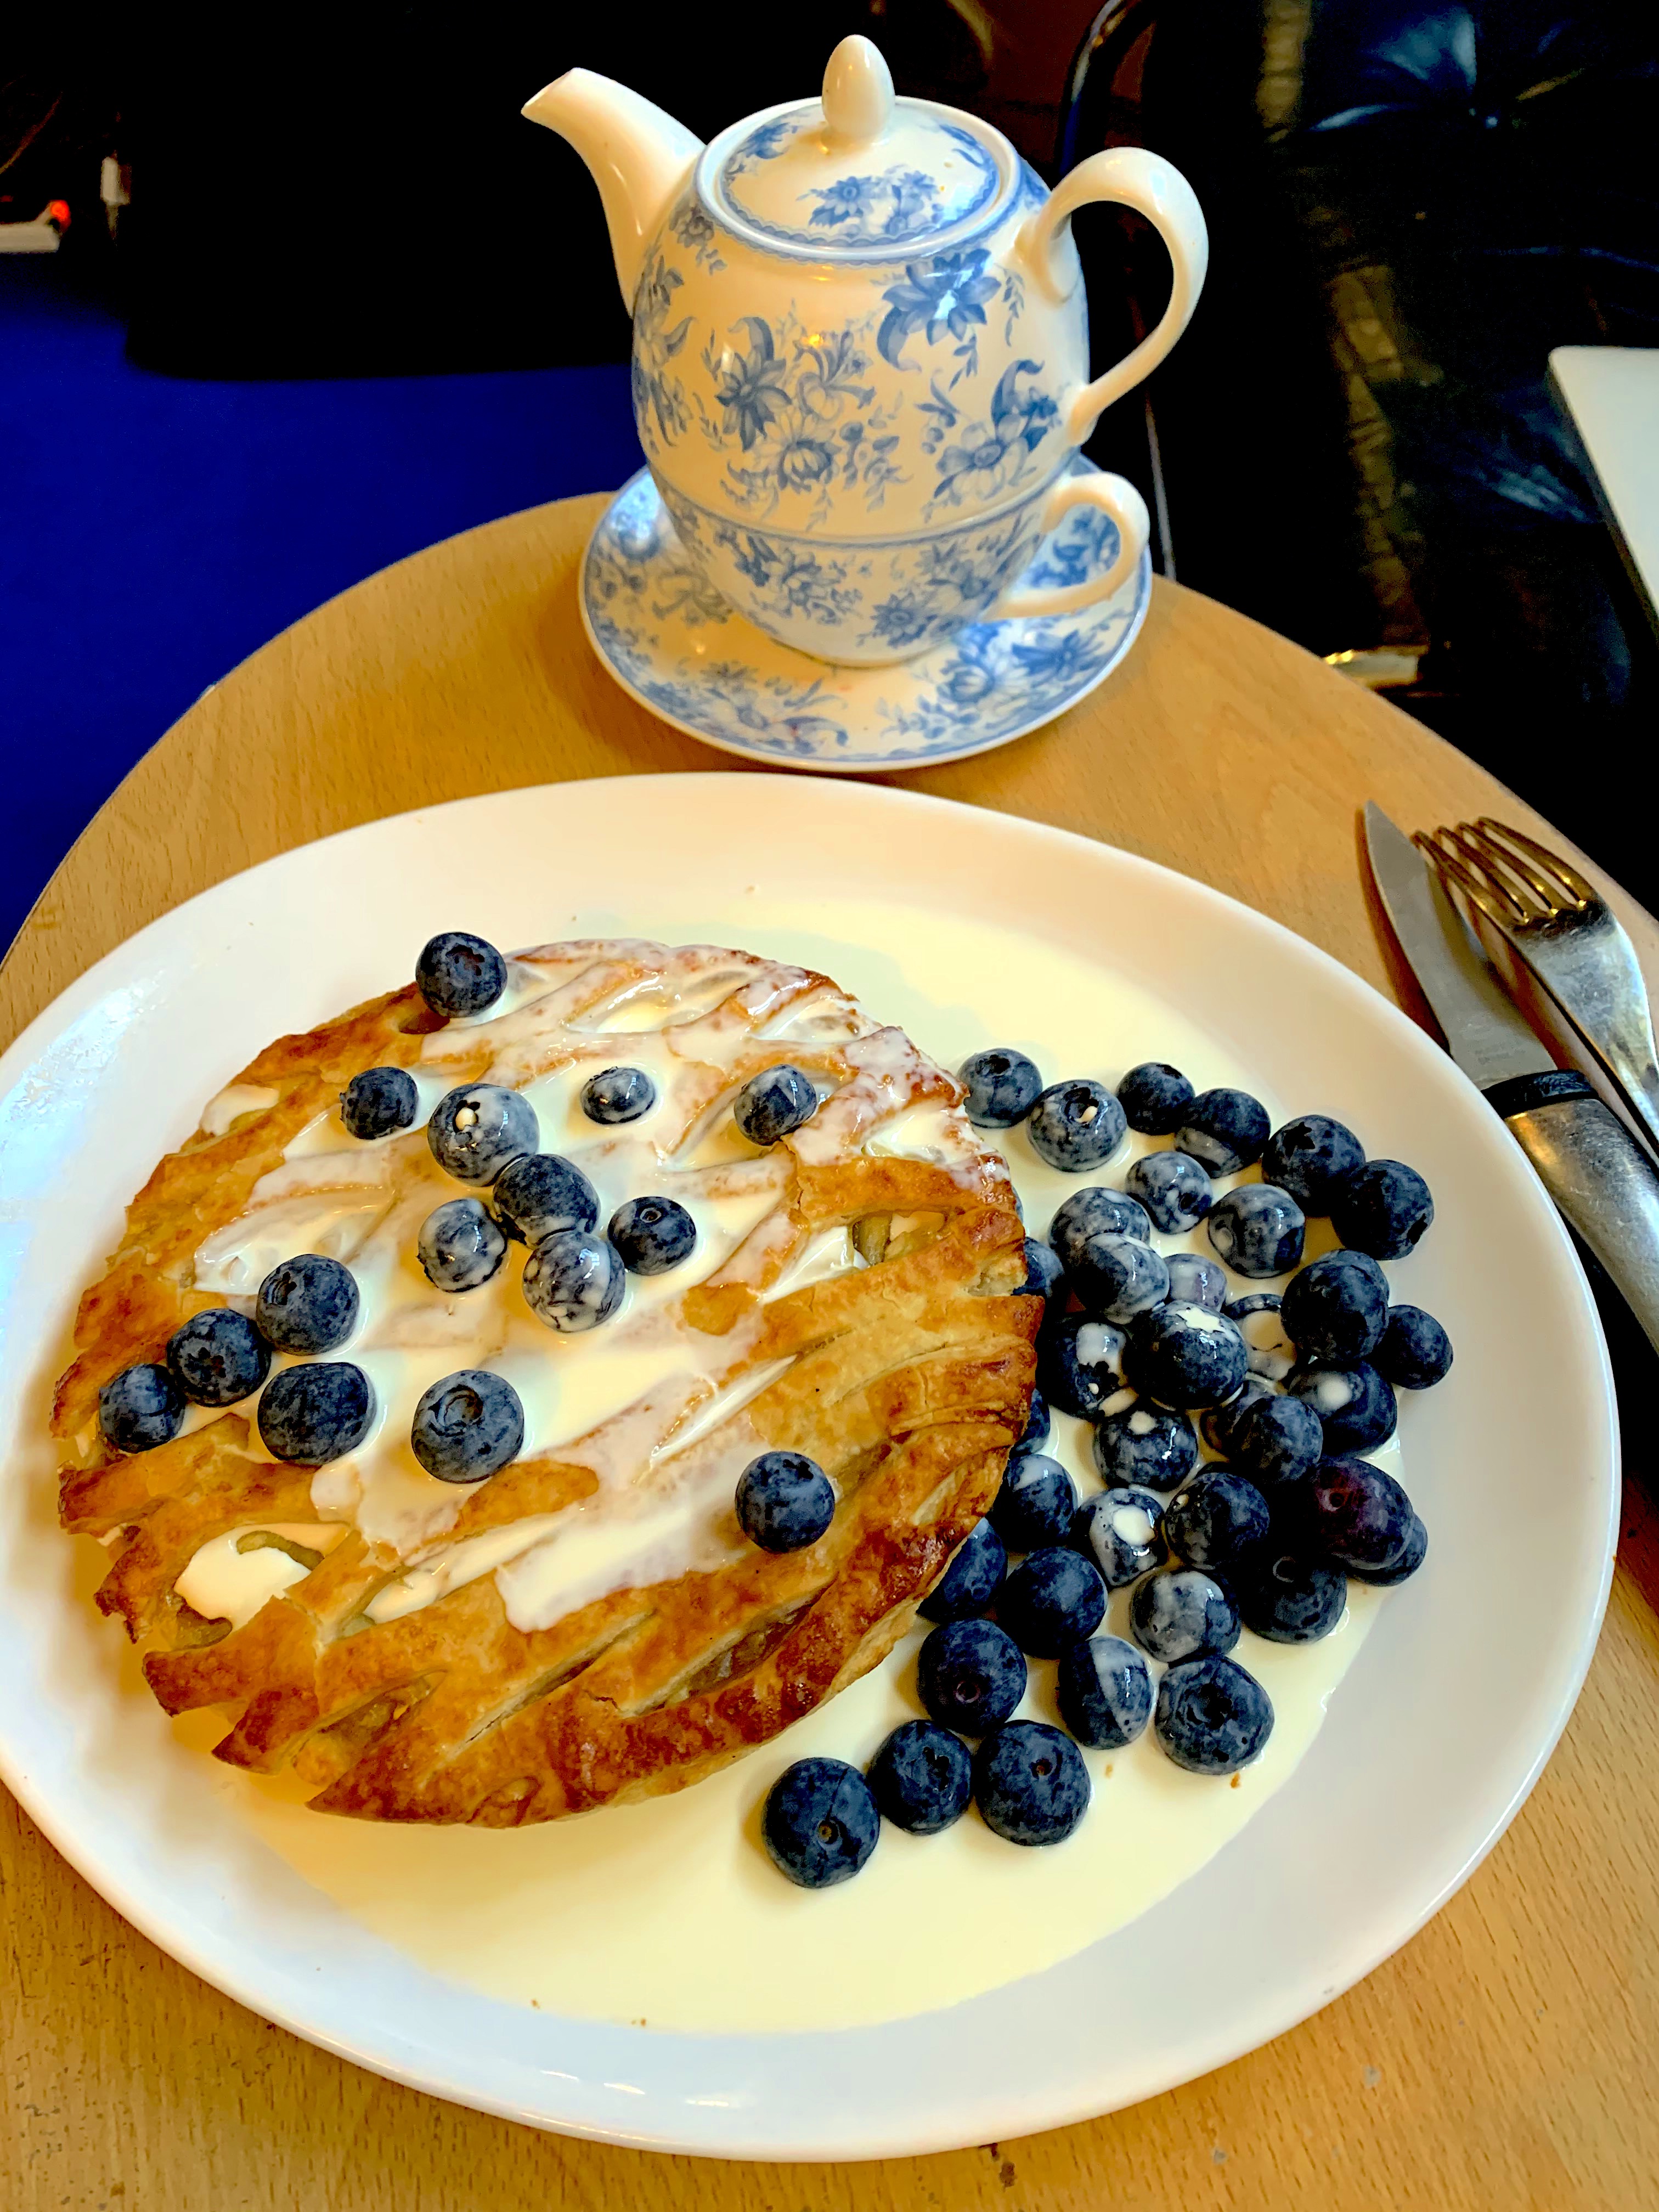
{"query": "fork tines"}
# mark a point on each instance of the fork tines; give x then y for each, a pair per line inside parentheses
(1510, 877)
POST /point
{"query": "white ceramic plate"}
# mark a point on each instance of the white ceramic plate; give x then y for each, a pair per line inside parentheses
(1434, 1738)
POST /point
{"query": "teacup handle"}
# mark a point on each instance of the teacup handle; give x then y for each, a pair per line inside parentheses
(1115, 496)
(1156, 189)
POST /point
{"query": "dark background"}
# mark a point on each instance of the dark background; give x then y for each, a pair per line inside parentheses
(356, 304)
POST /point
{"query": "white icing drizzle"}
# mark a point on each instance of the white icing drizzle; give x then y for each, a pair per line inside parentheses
(225, 1583)
(236, 1098)
(651, 1405)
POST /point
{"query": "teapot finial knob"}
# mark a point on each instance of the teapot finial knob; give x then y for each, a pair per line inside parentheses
(858, 92)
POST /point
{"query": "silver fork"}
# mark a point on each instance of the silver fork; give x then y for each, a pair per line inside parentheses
(1569, 939)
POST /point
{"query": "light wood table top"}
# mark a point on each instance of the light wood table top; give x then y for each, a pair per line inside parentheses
(1503, 2059)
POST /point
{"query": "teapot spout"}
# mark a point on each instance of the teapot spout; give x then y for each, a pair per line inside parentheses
(640, 158)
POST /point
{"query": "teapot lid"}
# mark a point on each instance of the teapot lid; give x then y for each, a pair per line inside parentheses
(859, 175)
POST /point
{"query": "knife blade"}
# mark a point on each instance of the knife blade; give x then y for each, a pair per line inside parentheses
(1604, 1184)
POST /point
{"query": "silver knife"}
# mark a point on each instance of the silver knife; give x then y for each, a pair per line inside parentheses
(1605, 1185)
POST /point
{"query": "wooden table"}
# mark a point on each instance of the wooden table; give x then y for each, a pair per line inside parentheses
(1504, 2059)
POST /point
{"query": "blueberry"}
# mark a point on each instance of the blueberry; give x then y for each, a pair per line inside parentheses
(379, 1102)
(1080, 1363)
(1076, 1125)
(1144, 1445)
(307, 1304)
(1357, 1408)
(1291, 1600)
(1337, 1308)
(1182, 1613)
(1224, 1131)
(922, 1778)
(1119, 1530)
(1034, 1505)
(1218, 1422)
(1258, 1229)
(785, 1501)
(1196, 1281)
(1353, 1513)
(1155, 1097)
(478, 1129)
(970, 1583)
(539, 1194)
(316, 1412)
(1104, 1692)
(1118, 1277)
(1276, 1440)
(970, 1675)
(1035, 1431)
(218, 1356)
(1218, 1519)
(1002, 1087)
(773, 1103)
(1095, 1212)
(1310, 1157)
(821, 1823)
(1030, 1784)
(460, 1245)
(139, 1408)
(573, 1280)
(1415, 1353)
(467, 1426)
(1382, 1208)
(1174, 1189)
(459, 975)
(1212, 1717)
(618, 1094)
(1186, 1356)
(1257, 1317)
(1043, 1272)
(1417, 1546)
(652, 1235)
(1050, 1599)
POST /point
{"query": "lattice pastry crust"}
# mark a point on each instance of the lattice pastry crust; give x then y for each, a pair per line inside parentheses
(903, 1362)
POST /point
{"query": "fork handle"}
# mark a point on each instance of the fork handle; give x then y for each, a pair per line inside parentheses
(1605, 1185)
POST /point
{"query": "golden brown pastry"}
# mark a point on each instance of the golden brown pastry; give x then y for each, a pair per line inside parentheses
(588, 1624)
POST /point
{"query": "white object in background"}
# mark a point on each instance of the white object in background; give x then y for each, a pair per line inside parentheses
(42, 235)
(859, 329)
(1612, 393)
(114, 189)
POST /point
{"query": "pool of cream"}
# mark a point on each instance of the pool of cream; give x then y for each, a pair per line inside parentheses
(669, 1913)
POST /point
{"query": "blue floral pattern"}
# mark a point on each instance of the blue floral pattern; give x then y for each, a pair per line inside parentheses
(652, 619)
(898, 206)
(803, 414)
(947, 294)
(893, 206)
(936, 400)
(980, 461)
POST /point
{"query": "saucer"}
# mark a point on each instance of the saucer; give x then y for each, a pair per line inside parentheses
(670, 639)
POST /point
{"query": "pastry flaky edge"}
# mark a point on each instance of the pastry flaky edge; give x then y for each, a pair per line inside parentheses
(910, 1380)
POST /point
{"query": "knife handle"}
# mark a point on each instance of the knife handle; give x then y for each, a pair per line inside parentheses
(1605, 1185)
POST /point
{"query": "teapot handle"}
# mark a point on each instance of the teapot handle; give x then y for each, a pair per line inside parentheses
(1115, 496)
(1155, 188)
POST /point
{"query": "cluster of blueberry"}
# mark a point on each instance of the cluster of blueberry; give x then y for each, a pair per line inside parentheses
(470, 1425)
(1287, 1390)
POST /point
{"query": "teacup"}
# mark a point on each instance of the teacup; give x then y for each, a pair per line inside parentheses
(871, 600)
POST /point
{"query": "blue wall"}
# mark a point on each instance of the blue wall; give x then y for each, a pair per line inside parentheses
(155, 531)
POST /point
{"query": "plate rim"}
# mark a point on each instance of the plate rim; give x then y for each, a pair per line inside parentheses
(889, 764)
(398, 2059)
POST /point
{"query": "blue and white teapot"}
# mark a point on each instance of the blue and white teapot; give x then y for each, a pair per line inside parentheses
(861, 350)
